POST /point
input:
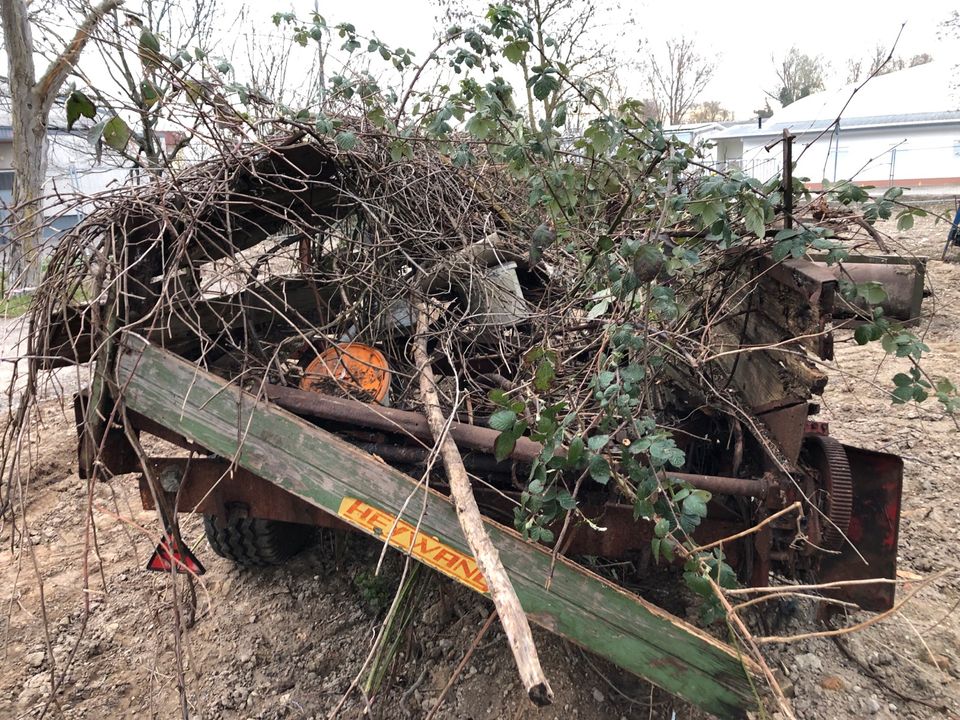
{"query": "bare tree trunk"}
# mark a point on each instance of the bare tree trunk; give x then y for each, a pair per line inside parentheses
(29, 142)
(31, 101)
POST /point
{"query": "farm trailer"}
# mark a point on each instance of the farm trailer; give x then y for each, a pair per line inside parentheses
(264, 458)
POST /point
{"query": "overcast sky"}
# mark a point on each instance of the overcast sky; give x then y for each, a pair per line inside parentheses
(741, 35)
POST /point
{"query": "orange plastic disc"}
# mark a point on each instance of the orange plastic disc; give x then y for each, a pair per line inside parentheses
(351, 366)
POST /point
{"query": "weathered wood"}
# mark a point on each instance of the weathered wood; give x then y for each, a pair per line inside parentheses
(512, 618)
(180, 325)
(775, 376)
(323, 470)
(798, 297)
(785, 311)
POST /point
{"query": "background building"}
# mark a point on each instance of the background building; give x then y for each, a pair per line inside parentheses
(902, 128)
(73, 171)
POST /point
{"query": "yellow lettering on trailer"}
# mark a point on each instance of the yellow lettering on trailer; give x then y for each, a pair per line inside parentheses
(404, 536)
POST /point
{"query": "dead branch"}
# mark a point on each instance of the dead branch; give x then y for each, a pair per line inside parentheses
(504, 597)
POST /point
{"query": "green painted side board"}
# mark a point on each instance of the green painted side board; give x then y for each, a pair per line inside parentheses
(322, 469)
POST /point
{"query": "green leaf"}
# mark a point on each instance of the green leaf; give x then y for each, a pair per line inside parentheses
(546, 535)
(503, 420)
(149, 41)
(345, 140)
(149, 93)
(661, 528)
(599, 309)
(667, 549)
(544, 376)
(698, 584)
(480, 126)
(575, 451)
(377, 116)
(694, 505)
(754, 215)
(95, 133)
(503, 446)
(149, 49)
(560, 115)
(890, 343)
(902, 380)
(545, 85)
(598, 442)
(514, 51)
(862, 335)
(599, 469)
(566, 500)
(116, 133)
(903, 394)
(872, 292)
(633, 373)
(79, 105)
(905, 220)
(945, 386)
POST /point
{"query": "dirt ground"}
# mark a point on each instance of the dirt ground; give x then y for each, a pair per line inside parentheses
(286, 642)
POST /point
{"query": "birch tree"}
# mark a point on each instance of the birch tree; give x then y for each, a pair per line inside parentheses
(31, 99)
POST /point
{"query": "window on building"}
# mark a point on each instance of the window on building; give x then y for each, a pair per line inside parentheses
(6, 181)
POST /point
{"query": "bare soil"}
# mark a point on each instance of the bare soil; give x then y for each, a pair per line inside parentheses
(286, 642)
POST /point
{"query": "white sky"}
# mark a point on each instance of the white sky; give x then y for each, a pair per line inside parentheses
(741, 34)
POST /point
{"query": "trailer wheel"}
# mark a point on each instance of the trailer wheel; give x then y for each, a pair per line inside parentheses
(255, 541)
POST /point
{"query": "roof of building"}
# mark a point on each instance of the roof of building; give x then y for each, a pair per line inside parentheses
(929, 91)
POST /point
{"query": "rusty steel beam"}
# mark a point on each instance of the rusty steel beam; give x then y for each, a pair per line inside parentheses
(356, 413)
(403, 422)
(212, 486)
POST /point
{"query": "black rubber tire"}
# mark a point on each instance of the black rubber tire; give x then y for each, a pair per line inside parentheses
(255, 541)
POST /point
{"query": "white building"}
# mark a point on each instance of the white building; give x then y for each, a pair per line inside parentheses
(902, 128)
(73, 172)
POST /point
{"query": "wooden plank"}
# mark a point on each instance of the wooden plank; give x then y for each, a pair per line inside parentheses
(323, 470)
(180, 324)
(798, 296)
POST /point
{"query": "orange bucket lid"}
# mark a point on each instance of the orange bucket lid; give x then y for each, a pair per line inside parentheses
(353, 366)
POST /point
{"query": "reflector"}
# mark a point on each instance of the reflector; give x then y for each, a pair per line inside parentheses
(162, 557)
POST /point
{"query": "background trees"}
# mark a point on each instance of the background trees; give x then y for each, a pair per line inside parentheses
(799, 75)
(882, 62)
(31, 100)
(678, 75)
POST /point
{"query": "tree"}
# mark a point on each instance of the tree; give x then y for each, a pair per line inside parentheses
(882, 62)
(799, 75)
(153, 61)
(569, 34)
(31, 100)
(677, 78)
(709, 111)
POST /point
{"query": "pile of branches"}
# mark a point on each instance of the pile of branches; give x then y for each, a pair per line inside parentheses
(310, 240)
(589, 304)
